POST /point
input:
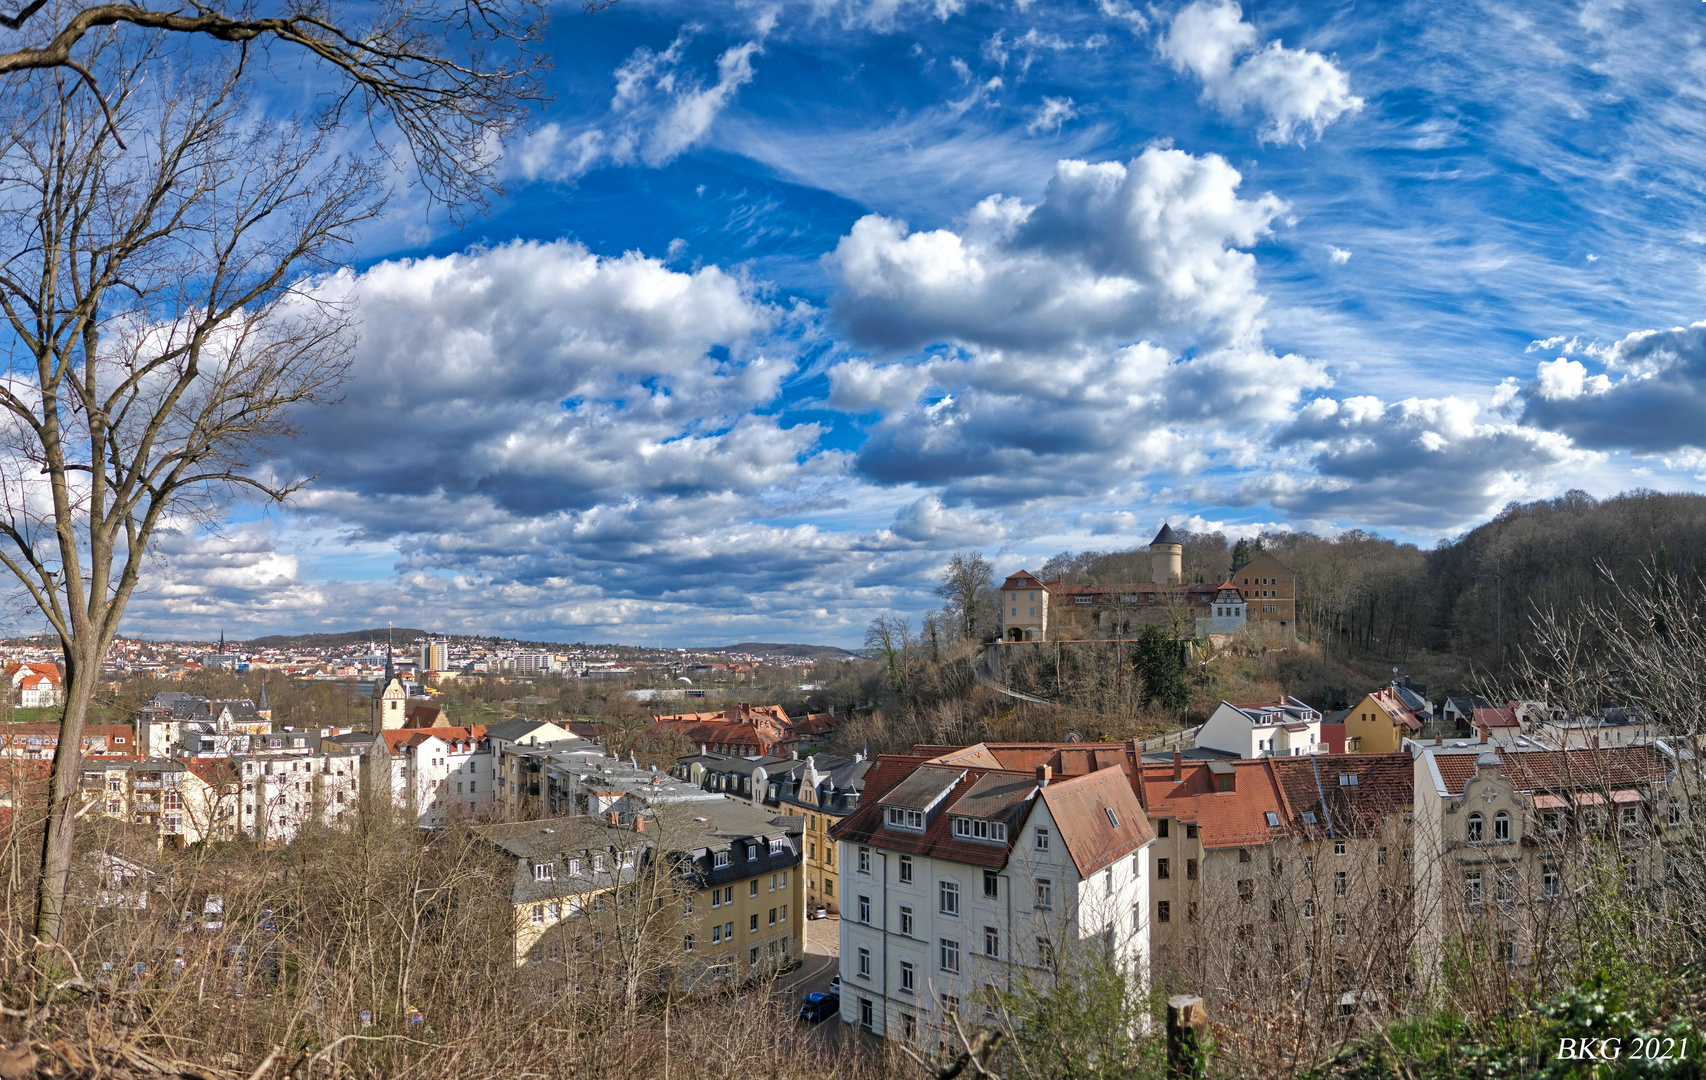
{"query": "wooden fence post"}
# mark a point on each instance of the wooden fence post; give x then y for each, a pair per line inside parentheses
(1187, 1041)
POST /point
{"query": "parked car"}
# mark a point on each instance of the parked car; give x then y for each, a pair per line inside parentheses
(820, 912)
(835, 986)
(820, 1006)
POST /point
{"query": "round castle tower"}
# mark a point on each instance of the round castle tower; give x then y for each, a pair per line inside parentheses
(1167, 557)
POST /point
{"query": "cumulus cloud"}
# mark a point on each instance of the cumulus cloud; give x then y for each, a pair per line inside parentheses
(1148, 248)
(660, 110)
(1108, 332)
(1417, 462)
(1300, 92)
(1650, 397)
(1339, 256)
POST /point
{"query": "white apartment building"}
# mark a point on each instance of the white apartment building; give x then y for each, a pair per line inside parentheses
(1284, 728)
(282, 796)
(959, 878)
(441, 772)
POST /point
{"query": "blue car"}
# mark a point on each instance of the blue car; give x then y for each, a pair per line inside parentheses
(820, 1006)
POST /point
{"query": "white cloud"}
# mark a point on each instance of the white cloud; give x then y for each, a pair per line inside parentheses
(1298, 90)
(1053, 112)
(1112, 252)
(1337, 255)
(659, 111)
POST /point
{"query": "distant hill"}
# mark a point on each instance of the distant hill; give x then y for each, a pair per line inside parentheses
(770, 648)
(402, 635)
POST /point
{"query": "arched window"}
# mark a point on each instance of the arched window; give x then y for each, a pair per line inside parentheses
(1475, 834)
(1502, 827)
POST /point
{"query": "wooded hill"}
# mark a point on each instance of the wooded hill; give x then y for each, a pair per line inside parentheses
(1474, 596)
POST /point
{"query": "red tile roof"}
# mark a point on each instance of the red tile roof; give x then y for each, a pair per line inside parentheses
(1080, 809)
(1494, 718)
(1234, 818)
(1560, 770)
(1385, 785)
(865, 825)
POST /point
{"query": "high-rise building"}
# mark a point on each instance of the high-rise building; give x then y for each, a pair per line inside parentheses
(435, 655)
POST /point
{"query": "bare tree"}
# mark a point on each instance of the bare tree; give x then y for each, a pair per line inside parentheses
(965, 586)
(453, 79)
(162, 326)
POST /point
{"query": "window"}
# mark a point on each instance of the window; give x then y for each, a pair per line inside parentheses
(1243, 854)
(1347, 780)
(1190, 832)
(909, 1022)
(752, 927)
(1161, 827)
(728, 931)
(544, 872)
(598, 864)
(1338, 847)
(1045, 894)
(1341, 884)
(775, 847)
(538, 914)
(687, 906)
(720, 859)
(687, 943)
(1163, 869)
(716, 898)
(864, 860)
(906, 920)
(1629, 817)
(864, 963)
(948, 898)
(1136, 918)
(994, 832)
(902, 818)
(1675, 813)
(906, 869)
(784, 917)
(865, 910)
(752, 889)
(865, 1014)
(1339, 925)
(1309, 866)
(1190, 869)
(1473, 831)
(950, 1005)
(1472, 888)
(1380, 857)
(729, 895)
(1273, 820)
(1045, 952)
(1247, 890)
(1164, 911)
(1502, 827)
(1550, 883)
(908, 980)
(1309, 909)
(1505, 884)
(991, 884)
(1113, 819)
(1042, 839)
(950, 956)
(1553, 823)
(752, 851)
(992, 942)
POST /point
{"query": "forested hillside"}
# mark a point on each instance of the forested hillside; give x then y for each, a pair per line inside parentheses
(1475, 596)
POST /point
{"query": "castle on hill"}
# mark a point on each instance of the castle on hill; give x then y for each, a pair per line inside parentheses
(1262, 590)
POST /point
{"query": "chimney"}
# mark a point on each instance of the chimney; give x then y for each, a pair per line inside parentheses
(1483, 734)
(639, 823)
(612, 818)
(1439, 740)
(1045, 773)
(1178, 766)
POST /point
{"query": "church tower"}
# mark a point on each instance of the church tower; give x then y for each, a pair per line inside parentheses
(388, 698)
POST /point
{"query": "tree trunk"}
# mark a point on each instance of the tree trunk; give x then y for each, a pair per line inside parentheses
(81, 675)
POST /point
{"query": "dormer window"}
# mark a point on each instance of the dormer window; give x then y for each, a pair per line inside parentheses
(775, 847)
(993, 832)
(721, 859)
(902, 818)
(544, 872)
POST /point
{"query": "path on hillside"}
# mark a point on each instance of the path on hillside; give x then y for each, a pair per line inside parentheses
(981, 670)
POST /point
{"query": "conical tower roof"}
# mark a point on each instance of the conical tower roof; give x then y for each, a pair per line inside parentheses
(1165, 536)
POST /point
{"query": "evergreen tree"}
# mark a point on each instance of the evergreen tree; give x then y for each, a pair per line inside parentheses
(1160, 666)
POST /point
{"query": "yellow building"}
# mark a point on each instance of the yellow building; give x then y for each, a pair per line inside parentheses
(1379, 724)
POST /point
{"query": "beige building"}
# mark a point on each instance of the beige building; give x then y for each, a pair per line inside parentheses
(1270, 588)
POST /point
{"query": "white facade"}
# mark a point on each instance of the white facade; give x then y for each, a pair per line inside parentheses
(283, 796)
(912, 950)
(1270, 729)
(437, 779)
(1226, 615)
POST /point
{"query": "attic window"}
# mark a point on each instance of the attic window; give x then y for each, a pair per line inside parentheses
(1309, 817)
(1081, 599)
(1347, 780)
(902, 818)
(722, 858)
(1113, 819)
(1273, 820)
(974, 829)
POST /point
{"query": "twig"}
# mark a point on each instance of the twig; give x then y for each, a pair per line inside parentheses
(266, 1065)
(95, 89)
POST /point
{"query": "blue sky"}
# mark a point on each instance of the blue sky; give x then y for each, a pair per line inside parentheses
(784, 303)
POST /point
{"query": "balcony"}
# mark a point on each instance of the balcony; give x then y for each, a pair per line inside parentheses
(141, 807)
(146, 785)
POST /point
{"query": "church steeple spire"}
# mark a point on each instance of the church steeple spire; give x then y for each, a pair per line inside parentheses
(390, 668)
